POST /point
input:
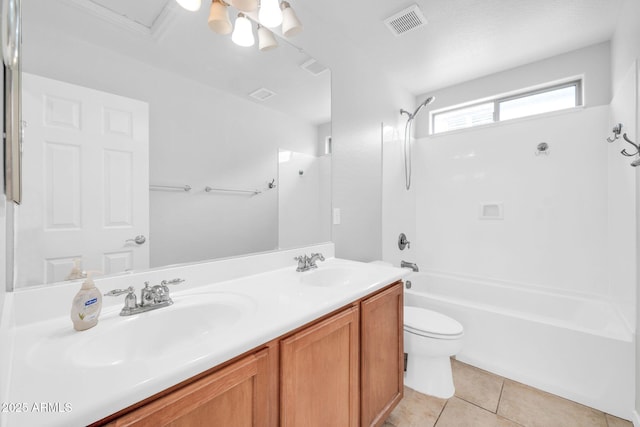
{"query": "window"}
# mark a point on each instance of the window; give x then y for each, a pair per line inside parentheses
(553, 98)
(465, 117)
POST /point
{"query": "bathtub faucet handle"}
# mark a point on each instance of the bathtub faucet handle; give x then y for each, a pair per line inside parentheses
(403, 242)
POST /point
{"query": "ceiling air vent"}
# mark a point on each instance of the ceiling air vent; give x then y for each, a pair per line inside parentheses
(262, 94)
(406, 20)
(313, 67)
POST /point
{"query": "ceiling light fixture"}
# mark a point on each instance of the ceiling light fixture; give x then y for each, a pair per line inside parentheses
(190, 5)
(291, 25)
(219, 21)
(266, 39)
(245, 5)
(243, 31)
(270, 14)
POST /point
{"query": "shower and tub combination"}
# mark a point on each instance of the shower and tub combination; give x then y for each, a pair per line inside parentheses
(545, 328)
(571, 345)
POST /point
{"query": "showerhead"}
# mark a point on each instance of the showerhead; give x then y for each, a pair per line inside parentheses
(427, 101)
(407, 139)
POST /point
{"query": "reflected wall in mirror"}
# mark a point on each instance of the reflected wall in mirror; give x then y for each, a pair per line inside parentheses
(126, 106)
(304, 199)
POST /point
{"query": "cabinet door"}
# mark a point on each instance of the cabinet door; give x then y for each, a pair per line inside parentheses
(319, 374)
(235, 396)
(382, 354)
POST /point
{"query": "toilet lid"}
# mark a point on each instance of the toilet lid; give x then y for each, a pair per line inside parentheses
(429, 323)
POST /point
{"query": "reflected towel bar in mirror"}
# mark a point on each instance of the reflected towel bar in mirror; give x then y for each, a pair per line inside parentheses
(231, 190)
(169, 187)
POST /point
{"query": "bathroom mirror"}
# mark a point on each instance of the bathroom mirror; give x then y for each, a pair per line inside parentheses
(150, 140)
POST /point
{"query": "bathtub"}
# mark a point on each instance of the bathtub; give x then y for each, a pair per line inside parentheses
(571, 345)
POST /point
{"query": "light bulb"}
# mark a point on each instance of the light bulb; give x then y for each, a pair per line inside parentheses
(219, 18)
(291, 25)
(270, 14)
(245, 5)
(190, 5)
(243, 32)
(266, 40)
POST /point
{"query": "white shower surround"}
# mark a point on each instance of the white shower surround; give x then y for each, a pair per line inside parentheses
(555, 220)
(572, 345)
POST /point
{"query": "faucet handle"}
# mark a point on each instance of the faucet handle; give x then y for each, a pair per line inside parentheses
(172, 281)
(130, 301)
(117, 292)
(403, 242)
(313, 258)
(302, 262)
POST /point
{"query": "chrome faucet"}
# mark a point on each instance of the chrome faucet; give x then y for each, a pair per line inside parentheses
(411, 265)
(151, 297)
(306, 263)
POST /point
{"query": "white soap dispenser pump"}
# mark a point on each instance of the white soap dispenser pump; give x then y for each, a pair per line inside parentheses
(76, 271)
(86, 305)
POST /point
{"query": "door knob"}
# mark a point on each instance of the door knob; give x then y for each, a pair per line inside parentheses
(138, 240)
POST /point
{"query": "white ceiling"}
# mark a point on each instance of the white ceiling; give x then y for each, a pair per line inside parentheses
(464, 39)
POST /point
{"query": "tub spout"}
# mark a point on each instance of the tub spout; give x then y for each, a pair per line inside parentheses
(411, 265)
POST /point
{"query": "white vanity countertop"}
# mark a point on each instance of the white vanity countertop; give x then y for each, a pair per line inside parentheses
(60, 377)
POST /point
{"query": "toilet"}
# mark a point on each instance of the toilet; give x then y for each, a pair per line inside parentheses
(430, 339)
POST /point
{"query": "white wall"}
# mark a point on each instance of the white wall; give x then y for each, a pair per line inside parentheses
(554, 229)
(361, 99)
(621, 200)
(399, 207)
(625, 50)
(542, 196)
(304, 200)
(592, 62)
(625, 43)
(637, 287)
(198, 136)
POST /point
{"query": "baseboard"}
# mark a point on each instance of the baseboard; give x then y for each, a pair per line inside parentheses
(636, 418)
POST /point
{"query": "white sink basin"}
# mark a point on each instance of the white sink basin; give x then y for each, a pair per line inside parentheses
(330, 276)
(160, 333)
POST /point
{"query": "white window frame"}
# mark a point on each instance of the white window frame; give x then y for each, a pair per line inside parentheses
(498, 100)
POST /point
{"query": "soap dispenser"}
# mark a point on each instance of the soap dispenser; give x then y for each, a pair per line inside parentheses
(86, 305)
(76, 271)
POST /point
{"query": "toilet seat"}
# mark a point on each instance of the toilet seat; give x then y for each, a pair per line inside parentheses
(428, 323)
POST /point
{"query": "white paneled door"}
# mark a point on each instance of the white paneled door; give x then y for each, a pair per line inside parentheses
(86, 182)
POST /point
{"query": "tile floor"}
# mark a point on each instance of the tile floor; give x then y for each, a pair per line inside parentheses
(483, 399)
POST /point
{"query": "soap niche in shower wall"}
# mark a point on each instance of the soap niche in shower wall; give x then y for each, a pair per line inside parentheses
(491, 210)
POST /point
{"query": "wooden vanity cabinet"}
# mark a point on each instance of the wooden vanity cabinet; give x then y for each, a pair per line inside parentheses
(344, 370)
(319, 376)
(237, 395)
(381, 355)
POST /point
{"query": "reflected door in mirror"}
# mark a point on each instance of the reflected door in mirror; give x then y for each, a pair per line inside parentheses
(86, 175)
